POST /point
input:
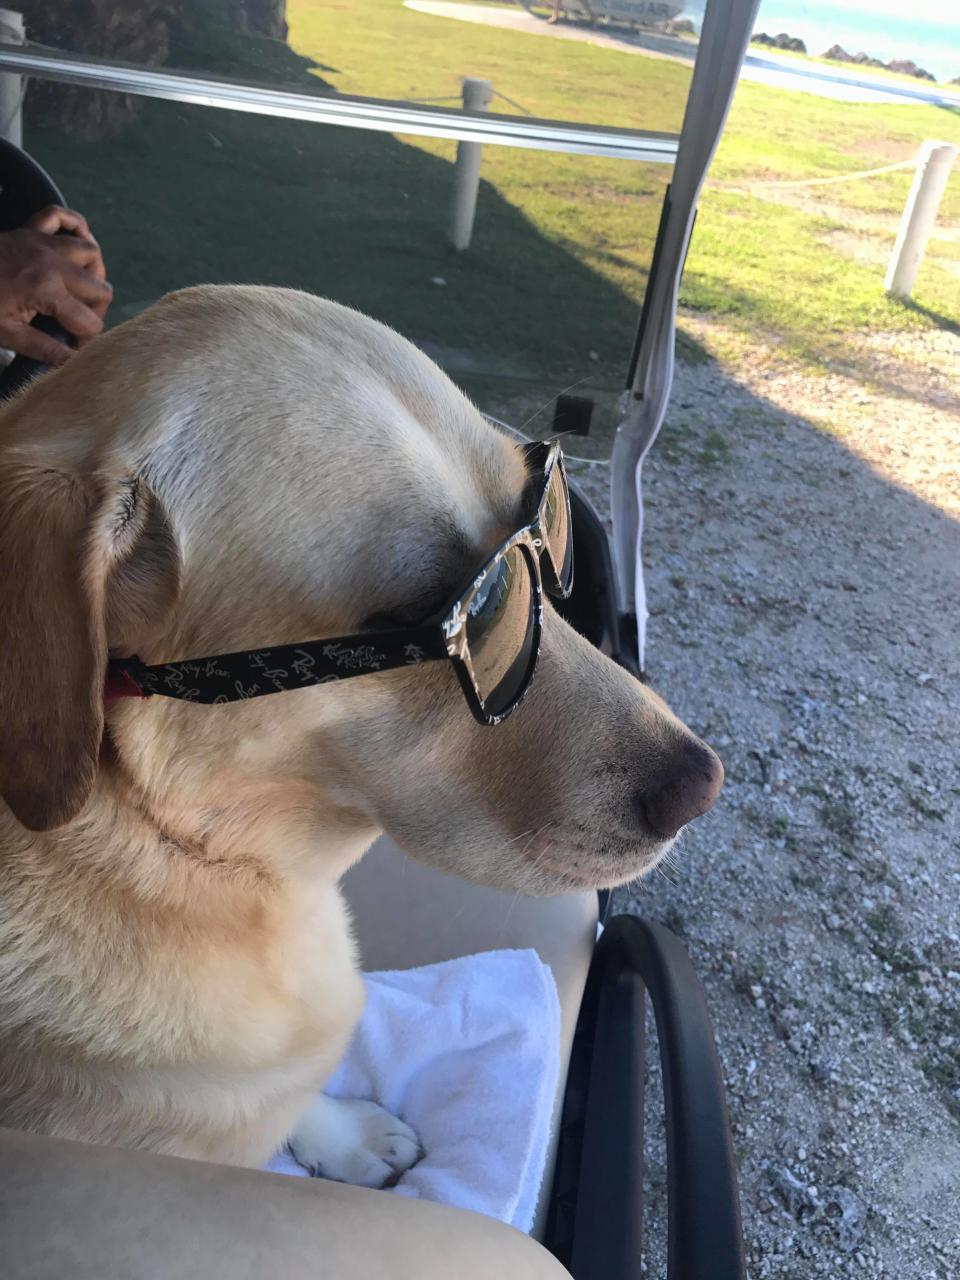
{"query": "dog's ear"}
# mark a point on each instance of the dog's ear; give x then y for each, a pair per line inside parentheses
(67, 544)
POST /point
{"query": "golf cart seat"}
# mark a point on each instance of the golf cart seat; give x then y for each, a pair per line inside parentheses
(73, 1210)
(68, 1209)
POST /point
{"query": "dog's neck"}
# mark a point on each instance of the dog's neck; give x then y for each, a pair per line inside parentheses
(265, 829)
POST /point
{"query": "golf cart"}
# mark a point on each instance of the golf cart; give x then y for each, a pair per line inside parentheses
(67, 1209)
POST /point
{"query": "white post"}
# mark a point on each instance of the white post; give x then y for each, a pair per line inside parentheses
(11, 84)
(929, 182)
(477, 96)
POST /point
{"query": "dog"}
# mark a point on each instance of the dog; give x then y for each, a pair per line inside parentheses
(242, 467)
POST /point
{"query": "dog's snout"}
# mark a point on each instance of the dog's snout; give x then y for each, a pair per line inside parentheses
(685, 789)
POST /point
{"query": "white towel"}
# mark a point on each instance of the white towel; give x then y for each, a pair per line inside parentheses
(466, 1052)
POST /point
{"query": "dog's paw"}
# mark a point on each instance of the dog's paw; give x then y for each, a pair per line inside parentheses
(356, 1142)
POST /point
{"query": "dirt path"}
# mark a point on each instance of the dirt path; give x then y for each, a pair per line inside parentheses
(804, 573)
(804, 557)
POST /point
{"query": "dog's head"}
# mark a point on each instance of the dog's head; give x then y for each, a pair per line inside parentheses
(244, 467)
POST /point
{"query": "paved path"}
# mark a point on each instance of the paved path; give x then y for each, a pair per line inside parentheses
(765, 68)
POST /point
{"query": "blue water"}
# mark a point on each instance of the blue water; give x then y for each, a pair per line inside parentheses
(928, 31)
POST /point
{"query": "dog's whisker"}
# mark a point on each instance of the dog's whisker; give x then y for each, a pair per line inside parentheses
(523, 835)
(669, 878)
(528, 877)
(506, 919)
(546, 405)
(531, 869)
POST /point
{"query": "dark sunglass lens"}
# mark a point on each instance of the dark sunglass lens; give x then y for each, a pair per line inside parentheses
(556, 528)
(500, 632)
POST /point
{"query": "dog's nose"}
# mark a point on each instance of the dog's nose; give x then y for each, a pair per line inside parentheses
(685, 789)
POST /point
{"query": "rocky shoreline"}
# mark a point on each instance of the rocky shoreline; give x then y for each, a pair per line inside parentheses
(837, 53)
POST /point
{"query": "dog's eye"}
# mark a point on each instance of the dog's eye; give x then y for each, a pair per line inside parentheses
(126, 506)
(129, 510)
(382, 622)
(398, 620)
(420, 610)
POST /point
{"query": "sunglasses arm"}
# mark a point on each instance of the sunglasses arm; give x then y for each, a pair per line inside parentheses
(253, 673)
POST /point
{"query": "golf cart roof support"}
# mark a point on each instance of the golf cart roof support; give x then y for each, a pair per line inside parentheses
(724, 36)
(378, 114)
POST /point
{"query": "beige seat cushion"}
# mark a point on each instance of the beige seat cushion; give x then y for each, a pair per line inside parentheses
(75, 1212)
(407, 915)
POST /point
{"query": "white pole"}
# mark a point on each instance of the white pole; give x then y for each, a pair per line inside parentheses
(11, 84)
(934, 163)
(477, 96)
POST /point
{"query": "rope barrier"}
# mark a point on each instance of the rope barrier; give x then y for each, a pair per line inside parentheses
(510, 101)
(818, 182)
(456, 97)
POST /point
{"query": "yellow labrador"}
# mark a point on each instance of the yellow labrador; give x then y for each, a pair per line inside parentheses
(240, 468)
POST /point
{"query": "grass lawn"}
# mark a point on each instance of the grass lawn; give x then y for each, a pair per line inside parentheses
(549, 291)
(781, 261)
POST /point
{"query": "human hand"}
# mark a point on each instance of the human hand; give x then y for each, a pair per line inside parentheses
(42, 273)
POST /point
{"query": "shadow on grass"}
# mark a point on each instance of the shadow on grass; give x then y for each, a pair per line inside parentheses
(188, 195)
(838, 349)
(935, 317)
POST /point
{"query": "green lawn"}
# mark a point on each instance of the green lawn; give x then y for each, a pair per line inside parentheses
(807, 264)
(781, 264)
(548, 294)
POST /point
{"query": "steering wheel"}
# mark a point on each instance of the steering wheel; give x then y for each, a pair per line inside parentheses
(25, 189)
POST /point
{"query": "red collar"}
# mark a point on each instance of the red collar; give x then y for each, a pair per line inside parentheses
(119, 684)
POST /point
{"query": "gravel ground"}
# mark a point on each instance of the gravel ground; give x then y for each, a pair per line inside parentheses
(804, 572)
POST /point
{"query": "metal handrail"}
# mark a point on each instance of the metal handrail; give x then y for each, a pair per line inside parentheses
(380, 115)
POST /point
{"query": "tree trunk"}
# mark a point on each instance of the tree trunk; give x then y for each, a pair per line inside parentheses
(142, 32)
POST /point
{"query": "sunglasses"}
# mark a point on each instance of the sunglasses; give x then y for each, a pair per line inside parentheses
(491, 631)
